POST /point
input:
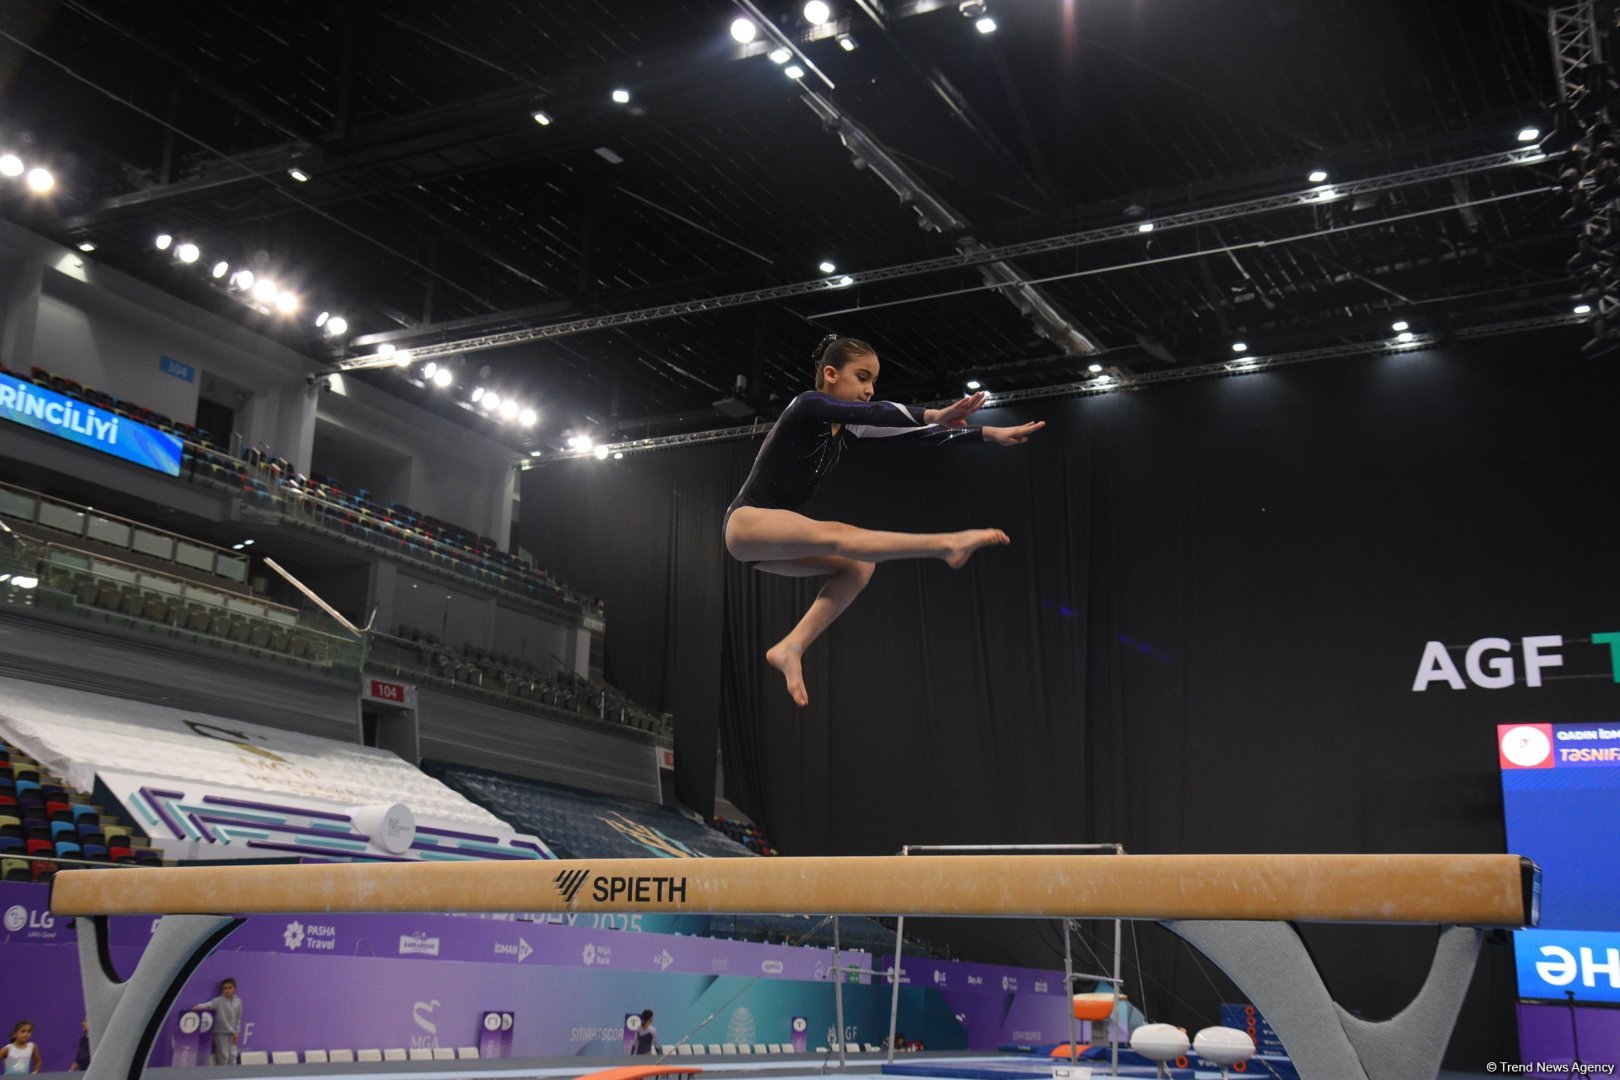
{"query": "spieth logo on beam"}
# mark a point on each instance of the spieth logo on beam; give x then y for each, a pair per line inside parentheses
(654, 889)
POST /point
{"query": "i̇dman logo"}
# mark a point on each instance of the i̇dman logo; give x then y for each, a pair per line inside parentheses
(569, 882)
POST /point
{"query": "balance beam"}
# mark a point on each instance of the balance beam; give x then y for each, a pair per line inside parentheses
(1469, 890)
(1237, 909)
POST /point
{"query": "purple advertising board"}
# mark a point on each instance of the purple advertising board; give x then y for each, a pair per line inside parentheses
(428, 981)
(1548, 1036)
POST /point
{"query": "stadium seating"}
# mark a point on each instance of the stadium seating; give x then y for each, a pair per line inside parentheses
(520, 684)
(747, 834)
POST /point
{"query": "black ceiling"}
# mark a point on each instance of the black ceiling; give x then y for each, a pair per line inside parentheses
(438, 210)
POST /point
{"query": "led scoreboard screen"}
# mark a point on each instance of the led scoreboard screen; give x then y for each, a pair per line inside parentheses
(1561, 801)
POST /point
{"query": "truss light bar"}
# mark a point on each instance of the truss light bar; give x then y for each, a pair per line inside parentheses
(1061, 242)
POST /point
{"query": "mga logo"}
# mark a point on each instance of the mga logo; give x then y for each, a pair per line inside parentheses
(569, 882)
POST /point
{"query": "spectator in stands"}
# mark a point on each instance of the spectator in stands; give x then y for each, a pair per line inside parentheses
(227, 1022)
(81, 1060)
(646, 1036)
(21, 1055)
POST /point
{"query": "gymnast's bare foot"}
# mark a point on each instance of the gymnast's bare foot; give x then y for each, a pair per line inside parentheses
(785, 658)
(964, 544)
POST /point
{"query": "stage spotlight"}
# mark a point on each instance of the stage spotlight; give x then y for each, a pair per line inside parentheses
(492, 400)
(1317, 176)
(187, 253)
(509, 409)
(87, 246)
(1405, 337)
(1583, 309)
(387, 349)
(986, 25)
(320, 320)
(264, 291)
(974, 384)
(601, 453)
(11, 165)
(847, 43)
(528, 417)
(817, 12)
(780, 56)
(1095, 369)
(299, 175)
(743, 31)
(826, 266)
(845, 281)
(221, 268)
(40, 180)
(163, 241)
(1146, 226)
(286, 303)
(337, 326)
(428, 370)
(477, 394)
(541, 117)
(793, 71)
(442, 377)
(1240, 346)
(1399, 326)
(618, 455)
(622, 96)
(1529, 134)
(242, 279)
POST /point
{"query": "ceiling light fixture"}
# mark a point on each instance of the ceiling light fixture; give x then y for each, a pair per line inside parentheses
(11, 165)
(337, 326)
(743, 31)
(221, 268)
(40, 180)
(1317, 176)
(492, 400)
(986, 25)
(780, 56)
(286, 303)
(601, 453)
(826, 266)
(1583, 309)
(1146, 226)
(477, 394)
(87, 246)
(847, 43)
(1529, 134)
(817, 12)
(428, 370)
(528, 417)
(1405, 336)
(442, 378)
(188, 253)
(541, 117)
(974, 384)
(299, 175)
(1240, 346)
(1399, 326)
(320, 320)
(793, 71)
(163, 241)
(622, 97)
(242, 279)
(264, 290)
(1095, 368)
(509, 409)
(387, 349)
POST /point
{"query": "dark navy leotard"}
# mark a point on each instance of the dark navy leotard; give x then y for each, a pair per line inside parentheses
(801, 448)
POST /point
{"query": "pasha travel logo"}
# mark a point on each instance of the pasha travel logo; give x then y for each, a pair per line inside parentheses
(1495, 663)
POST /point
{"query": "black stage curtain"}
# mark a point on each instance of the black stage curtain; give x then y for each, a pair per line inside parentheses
(1204, 637)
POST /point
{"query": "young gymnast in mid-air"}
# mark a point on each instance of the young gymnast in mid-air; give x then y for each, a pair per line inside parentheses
(763, 526)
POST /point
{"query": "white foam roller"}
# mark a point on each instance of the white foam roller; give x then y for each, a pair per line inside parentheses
(1160, 1042)
(1223, 1045)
